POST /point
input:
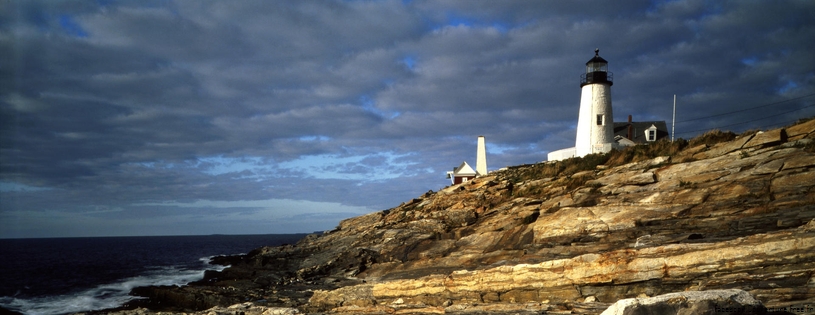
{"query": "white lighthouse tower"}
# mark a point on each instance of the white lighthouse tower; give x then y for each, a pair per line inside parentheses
(595, 126)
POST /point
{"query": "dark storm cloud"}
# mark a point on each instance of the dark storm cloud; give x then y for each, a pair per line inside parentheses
(177, 108)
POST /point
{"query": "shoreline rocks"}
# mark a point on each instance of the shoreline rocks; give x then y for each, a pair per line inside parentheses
(569, 237)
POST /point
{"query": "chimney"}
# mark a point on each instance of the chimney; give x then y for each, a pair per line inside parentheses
(630, 129)
(481, 157)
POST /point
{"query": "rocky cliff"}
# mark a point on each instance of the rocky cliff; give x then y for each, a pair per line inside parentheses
(571, 237)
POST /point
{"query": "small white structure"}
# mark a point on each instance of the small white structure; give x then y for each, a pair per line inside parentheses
(560, 155)
(464, 172)
(481, 157)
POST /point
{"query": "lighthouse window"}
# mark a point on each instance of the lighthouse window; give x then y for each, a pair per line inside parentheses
(596, 67)
(600, 120)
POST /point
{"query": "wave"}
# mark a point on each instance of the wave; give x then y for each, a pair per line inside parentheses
(109, 295)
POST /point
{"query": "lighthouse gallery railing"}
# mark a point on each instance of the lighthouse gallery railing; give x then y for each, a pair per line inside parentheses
(596, 77)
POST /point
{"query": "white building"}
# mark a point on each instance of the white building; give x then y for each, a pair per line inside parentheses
(462, 173)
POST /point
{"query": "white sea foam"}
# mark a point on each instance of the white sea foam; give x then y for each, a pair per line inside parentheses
(107, 295)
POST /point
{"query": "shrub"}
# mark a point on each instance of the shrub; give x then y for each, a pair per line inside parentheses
(557, 168)
(712, 137)
(638, 153)
(802, 120)
(586, 163)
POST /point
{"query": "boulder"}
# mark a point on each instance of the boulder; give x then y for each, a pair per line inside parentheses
(802, 130)
(733, 301)
(767, 138)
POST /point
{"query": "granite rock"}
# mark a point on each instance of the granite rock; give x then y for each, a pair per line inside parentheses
(731, 301)
(527, 239)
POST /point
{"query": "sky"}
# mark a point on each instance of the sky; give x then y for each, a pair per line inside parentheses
(124, 118)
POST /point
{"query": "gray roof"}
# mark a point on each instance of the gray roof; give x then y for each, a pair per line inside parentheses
(621, 129)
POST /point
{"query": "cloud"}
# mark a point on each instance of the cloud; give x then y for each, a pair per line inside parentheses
(110, 107)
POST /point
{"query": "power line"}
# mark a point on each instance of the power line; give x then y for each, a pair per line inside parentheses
(746, 109)
(749, 121)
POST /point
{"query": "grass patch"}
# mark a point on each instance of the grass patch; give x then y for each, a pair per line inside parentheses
(639, 153)
(566, 167)
(712, 137)
(802, 120)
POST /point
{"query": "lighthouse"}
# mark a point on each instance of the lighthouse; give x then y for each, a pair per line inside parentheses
(595, 126)
(596, 130)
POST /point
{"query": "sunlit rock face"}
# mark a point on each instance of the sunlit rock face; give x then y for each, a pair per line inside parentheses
(731, 215)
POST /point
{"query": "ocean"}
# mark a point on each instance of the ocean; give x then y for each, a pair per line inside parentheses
(65, 275)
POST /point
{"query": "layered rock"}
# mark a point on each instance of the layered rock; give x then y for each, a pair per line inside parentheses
(236, 309)
(564, 237)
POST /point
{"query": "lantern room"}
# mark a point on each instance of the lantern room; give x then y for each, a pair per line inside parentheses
(596, 71)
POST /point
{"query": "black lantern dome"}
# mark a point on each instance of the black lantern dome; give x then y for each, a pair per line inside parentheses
(596, 71)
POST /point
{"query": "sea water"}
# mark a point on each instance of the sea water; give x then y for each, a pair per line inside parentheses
(66, 275)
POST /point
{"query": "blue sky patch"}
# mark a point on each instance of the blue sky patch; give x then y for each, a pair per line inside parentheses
(750, 61)
(787, 87)
(70, 26)
(409, 62)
